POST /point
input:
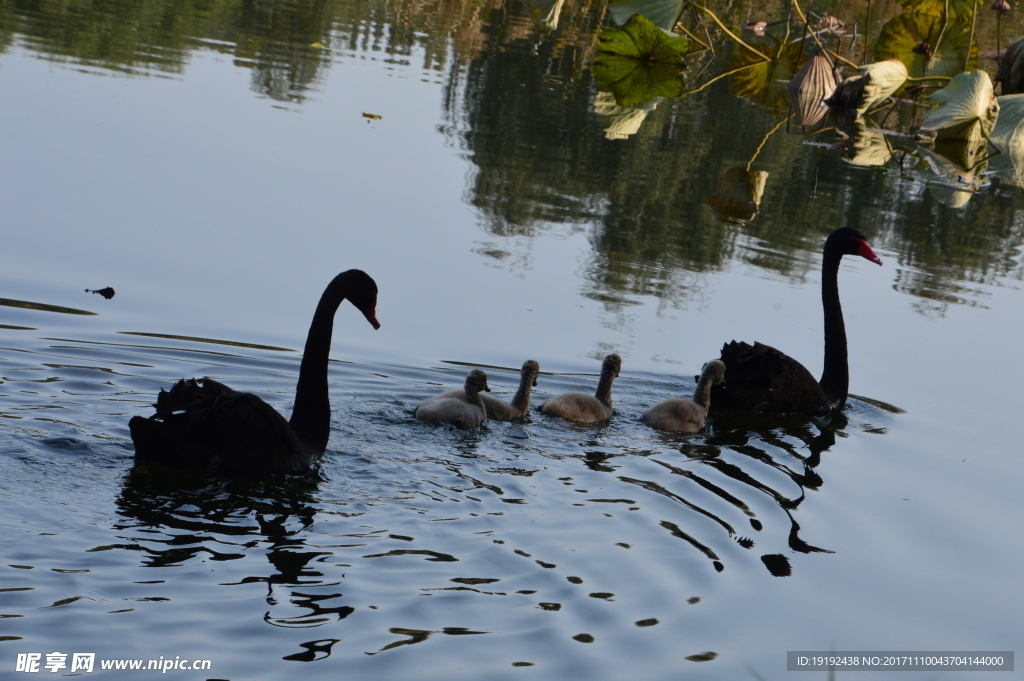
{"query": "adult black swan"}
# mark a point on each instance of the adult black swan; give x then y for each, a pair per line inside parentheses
(760, 378)
(206, 426)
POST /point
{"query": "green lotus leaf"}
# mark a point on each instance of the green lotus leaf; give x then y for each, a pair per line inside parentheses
(662, 13)
(764, 78)
(900, 35)
(968, 108)
(639, 62)
(642, 40)
(633, 81)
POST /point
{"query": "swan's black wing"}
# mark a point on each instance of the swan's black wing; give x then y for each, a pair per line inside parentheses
(760, 378)
(208, 427)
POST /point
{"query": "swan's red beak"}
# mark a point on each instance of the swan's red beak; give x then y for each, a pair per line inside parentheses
(371, 316)
(866, 252)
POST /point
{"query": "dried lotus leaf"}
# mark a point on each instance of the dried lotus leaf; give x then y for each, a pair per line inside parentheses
(737, 197)
(810, 87)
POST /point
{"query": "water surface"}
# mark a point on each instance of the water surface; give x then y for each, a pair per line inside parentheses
(212, 164)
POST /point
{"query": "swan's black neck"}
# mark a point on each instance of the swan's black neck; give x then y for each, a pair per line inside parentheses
(311, 417)
(835, 377)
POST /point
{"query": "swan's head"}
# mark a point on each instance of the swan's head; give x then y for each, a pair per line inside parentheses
(848, 241)
(362, 292)
(612, 365)
(714, 371)
(476, 382)
(530, 371)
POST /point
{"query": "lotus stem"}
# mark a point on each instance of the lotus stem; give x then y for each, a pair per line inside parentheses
(719, 77)
(796, 6)
(867, 32)
(726, 30)
(974, 18)
(765, 140)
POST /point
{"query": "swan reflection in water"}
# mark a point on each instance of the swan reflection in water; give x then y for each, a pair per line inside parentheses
(179, 516)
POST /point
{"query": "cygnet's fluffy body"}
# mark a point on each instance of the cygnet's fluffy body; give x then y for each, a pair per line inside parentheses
(465, 410)
(681, 414)
(584, 408)
(499, 410)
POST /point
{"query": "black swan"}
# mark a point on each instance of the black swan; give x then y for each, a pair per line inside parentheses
(206, 426)
(499, 410)
(681, 414)
(584, 408)
(760, 378)
(462, 407)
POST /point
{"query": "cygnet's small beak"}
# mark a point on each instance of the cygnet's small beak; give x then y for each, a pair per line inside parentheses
(535, 383)
(487, 389)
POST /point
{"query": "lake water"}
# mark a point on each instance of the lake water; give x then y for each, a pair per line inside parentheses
(212, 163)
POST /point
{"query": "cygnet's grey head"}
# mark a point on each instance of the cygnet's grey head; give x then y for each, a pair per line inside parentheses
(476, 381)
(611, 365)
(531, 369)
(714, 370)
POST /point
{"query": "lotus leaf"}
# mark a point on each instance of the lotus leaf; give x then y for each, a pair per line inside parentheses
(1011, 68)
(1008, 138)
(763, 80)
(811, 86)
(662, 13)
(868, 146)
(545, 14)
(860, 93)
(900, 35)
(619, 122)
(947, 183)
(968, 108)
(639, 62)
(738, 195)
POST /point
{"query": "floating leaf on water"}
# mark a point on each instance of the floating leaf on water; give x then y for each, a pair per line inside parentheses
(662, 13)
(738, 195)
(1011, 68)
(810, 87)
(318, 46)
(619, 122)
(968, 108)
(877, 82)
(901, 35)
(764, 78)
(639, 62)
(371, 116)
(545, 14)
(868, 146)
